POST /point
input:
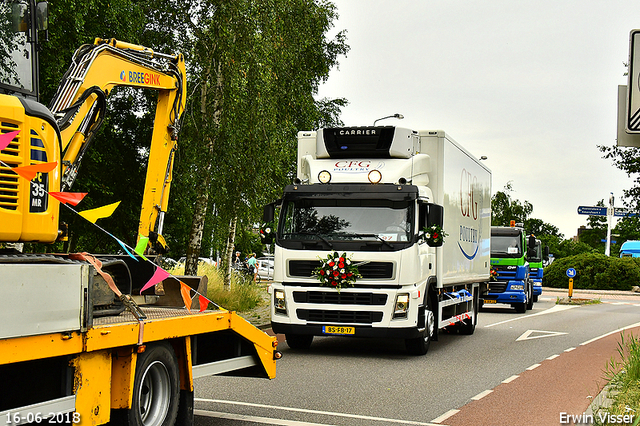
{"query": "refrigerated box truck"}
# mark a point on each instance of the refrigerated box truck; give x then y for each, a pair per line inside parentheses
(373, 197)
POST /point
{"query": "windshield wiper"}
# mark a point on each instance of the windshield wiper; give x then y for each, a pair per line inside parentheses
(369, 236)
(327, 242)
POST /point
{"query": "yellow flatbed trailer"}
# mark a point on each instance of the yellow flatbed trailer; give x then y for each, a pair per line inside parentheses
(115, 367)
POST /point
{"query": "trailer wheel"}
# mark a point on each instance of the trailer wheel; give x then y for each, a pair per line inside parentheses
(420, 345)
(299, 341)
(156, 390)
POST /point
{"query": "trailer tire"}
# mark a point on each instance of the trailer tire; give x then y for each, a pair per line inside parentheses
(299, 341)
(156, 388)
(420, 345)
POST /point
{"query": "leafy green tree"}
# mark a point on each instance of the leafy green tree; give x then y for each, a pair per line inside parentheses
(504, 208)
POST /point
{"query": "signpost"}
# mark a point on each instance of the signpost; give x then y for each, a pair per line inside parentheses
(571, 273)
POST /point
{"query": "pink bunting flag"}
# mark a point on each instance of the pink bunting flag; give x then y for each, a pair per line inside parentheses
(158, 276)
(204, 302)
(6, 138)
(185, 291)
(29, 172)
(72, 198)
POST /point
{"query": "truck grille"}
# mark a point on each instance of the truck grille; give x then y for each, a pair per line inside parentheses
(360, 317)
(8, 178)
(342, 298)
(497, 287)
(304, 268)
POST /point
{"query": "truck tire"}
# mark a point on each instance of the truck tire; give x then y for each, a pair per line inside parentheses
(530, 296)
(420, 345)
(521, 308)
(469, 327)
(299, 341)
(156, 388)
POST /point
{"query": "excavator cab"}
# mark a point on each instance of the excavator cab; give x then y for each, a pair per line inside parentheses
(26, 212)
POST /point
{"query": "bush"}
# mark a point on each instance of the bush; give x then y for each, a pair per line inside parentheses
(594, 271)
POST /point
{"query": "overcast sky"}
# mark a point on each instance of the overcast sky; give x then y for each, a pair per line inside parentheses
(530, 84)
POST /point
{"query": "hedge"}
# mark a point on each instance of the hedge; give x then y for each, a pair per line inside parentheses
(594, 271)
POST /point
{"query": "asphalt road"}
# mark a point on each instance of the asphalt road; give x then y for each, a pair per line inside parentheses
(342, 381)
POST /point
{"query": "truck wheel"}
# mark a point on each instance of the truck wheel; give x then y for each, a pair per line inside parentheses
(521, 308)
(420, 345)
(469, 327)
(530, 297)
(535, 298)
(299, 341)
(156, 389)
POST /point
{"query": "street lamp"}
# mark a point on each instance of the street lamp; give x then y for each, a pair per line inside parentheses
(484, 157)
(398, 116)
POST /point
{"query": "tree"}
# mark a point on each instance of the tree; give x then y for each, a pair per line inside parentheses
(257, 66)
(504, 208)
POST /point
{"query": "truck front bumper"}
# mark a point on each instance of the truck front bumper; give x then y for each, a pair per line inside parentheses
(508, 296)
(359, 331)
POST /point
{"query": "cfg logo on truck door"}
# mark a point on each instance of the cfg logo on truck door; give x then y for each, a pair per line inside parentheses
(468, 209)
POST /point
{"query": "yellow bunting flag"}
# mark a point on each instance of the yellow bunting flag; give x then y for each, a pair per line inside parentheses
(29, 172)
(141, 246)
(72, 198)
(99, 213)
(6, 138)
(185, 291)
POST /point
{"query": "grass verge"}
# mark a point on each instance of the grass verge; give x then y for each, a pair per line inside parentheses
(244, 294)
(624, 384)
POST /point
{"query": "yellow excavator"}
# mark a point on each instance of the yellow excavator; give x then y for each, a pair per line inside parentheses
(63, 132)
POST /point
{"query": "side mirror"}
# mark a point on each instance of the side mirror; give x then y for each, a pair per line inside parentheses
(269, 212)
(430, 214)
(42, 16)
(546, 254)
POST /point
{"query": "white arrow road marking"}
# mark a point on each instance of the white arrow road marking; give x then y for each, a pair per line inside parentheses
(557, 308)
(527, 335)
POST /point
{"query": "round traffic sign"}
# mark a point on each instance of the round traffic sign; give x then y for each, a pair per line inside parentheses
(571, 272)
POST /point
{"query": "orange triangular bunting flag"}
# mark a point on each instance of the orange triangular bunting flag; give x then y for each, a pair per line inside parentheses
(185, 291)
(72, 198)
(29, 172)
(204, 302)
(99, 213)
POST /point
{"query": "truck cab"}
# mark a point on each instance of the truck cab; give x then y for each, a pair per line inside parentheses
(537, 256)
(511, 282)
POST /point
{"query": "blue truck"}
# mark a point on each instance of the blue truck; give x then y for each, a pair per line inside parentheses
(630, 249)
(511, 282)
(537, 257)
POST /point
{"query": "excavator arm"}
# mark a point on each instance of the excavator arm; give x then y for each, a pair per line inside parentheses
(80, 103)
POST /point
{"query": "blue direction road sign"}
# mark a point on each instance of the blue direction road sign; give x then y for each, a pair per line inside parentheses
(571, 272)
(621, 212)
(592, 210)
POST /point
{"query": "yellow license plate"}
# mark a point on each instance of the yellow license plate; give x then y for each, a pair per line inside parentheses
(332, 329)
(490, 301)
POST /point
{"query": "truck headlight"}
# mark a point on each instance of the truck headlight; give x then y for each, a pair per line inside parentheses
(401, 306)
(279, 302)
(518, 287)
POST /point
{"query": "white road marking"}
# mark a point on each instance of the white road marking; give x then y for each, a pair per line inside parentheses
(557, 308)
(533, 367)
(527, 334)
(254, 419)
(610, 333)
(510, 379)
(553, 357)
(482, 394)
(304, 410)
(445, 416)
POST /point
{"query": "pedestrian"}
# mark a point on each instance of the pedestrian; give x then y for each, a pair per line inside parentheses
(236, 261)
(251, 263)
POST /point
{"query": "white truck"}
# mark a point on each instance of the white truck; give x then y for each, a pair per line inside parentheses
(369, 193)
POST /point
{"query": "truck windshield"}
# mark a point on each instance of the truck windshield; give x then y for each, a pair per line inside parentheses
(506, 246)
(347, 220)
(15, 51)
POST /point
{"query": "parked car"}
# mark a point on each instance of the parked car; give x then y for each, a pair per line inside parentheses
(265, 267)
